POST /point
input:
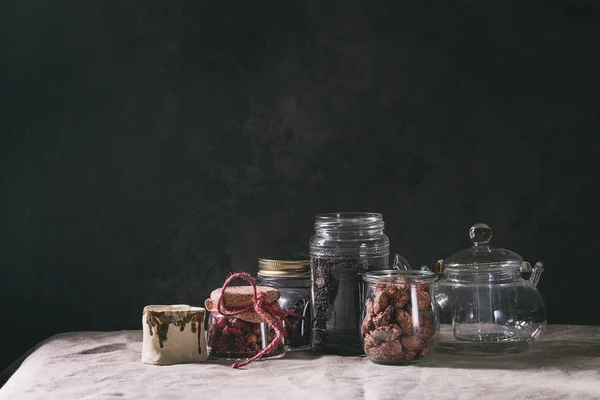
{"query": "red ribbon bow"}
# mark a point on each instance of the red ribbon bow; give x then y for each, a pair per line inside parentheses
(273, 315)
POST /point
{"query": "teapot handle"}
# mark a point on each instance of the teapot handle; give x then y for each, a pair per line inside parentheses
(437, 267)
(401, 263)
(536, 271)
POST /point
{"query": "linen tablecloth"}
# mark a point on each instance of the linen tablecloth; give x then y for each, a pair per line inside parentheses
(102, 365)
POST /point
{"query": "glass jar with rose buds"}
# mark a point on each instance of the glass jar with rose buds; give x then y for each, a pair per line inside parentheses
(246, 323)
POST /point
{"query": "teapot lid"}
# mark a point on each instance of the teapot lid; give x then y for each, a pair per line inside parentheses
(482, 255)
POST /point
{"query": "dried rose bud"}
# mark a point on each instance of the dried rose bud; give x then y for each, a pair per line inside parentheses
(220, 321)
(225, 331)
(384, 317)
(240, 324)
(256, 329)
(251, 338)
(235, 331)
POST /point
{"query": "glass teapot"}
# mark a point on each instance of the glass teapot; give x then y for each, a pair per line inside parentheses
(485, 306)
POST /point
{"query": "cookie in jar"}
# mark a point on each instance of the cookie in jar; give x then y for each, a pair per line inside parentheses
(400, 323)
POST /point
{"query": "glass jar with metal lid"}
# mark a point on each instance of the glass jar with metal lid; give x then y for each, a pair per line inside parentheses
(400, 322)
(291, 276)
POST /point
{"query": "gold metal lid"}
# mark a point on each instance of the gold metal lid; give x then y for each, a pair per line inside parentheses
(297, 265)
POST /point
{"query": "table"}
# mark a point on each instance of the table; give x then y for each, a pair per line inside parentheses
(102, 365)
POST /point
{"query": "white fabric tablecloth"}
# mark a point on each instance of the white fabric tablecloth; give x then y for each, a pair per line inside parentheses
(101, 365)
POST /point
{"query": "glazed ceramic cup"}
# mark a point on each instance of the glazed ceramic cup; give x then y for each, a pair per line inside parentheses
(173, 334)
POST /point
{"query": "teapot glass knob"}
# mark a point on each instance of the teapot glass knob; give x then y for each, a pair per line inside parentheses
(480, 234)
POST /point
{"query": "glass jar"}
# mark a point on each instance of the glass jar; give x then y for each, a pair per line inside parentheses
(400, 323)
(344, 246)
(232, 338)
(485, 306)
(291, 276)
(243, 335)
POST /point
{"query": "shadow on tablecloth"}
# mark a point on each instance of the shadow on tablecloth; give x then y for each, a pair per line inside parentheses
(553, 353)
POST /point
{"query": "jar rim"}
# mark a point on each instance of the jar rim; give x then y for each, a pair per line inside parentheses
(403, 276)
(349, 221)
(350, 216)
(173, 308)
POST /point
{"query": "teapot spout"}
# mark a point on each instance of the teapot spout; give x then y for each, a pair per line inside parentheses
(536, 272)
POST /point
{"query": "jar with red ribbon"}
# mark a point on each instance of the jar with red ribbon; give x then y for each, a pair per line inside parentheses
(245, 322)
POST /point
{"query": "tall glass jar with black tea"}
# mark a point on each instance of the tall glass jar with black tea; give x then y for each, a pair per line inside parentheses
(344, 246)
(291, 276)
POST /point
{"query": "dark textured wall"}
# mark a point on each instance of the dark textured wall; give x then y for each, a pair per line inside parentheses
(147, 148)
